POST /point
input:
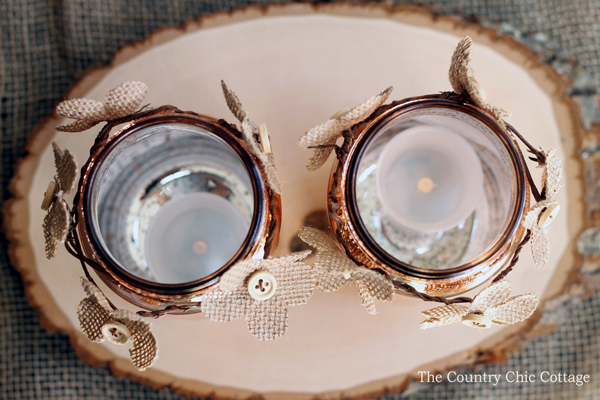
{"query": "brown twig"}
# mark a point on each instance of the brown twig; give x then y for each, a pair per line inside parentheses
(515, 258)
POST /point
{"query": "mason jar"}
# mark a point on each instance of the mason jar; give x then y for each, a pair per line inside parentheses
(168, 203)
(432, 192)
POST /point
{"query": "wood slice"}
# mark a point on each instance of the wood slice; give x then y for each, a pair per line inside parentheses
(293, 66)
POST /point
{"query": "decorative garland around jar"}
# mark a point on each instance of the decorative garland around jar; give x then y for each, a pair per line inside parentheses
(178, 212)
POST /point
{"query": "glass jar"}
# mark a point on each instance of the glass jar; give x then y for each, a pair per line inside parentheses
(431, 191)
(168, 203)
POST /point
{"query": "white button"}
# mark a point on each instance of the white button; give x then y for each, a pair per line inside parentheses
(262, 285)
(49, 196)
(548, 215)
(341, 113)
(476, 321)
(263, 135)
(116, 332)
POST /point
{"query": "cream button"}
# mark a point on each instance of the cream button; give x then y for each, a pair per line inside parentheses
(116, 332)
(49, 196)
(262, 285)
(476, 321)
(263, 135)
(341, 113)
(548, 215)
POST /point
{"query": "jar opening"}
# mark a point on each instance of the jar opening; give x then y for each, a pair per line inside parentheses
(435, 187)
(171, 201)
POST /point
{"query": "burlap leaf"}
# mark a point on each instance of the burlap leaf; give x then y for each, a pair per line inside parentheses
(125, 99)
(443, 315)
(463, 80)
(551, 184)
(552, 174)
(236, 276)
(375, 284)
(92, 316)
(492, 303)
(95, 293)
(251, 133)
(56, 226)
(266, 319)
(296, 280)
(66, 168)
(95, 311)
(222, 306)
(320, 156)
(513, 310)
(77, 126)
(81, 109)
(491, 295)
(57, 221)
(233, 103)
(540, 247)
(334, 269)
(145, 350)
(328, 132)
(120, 102)
(328, 282)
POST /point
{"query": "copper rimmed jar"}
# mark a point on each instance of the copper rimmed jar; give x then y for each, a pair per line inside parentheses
(432, 191)
(168, 203)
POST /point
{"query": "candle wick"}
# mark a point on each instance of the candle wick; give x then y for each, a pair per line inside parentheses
(425, 185)
(199, 247)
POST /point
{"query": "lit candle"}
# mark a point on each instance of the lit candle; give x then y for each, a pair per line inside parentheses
(429, 179)
(192, 236)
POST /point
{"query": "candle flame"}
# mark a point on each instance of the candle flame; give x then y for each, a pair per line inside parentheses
(425, 185)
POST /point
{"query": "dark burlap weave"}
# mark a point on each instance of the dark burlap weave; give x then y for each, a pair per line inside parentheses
(46, 45)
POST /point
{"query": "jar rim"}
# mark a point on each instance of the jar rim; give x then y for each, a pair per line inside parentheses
(220, 130)
(369, 132)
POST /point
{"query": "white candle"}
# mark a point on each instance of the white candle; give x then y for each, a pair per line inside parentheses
(192, 236)
(429, 179)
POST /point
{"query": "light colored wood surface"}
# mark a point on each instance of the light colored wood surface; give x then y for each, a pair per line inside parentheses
(293, 67)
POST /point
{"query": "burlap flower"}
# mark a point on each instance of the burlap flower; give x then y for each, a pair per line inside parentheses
(255, 138)
(100, 321)
(491, 306)
(540, 216)
(333, 269)
(120, 102)
(463, 80)
(57, 221)
(322, 138)
(261, 291)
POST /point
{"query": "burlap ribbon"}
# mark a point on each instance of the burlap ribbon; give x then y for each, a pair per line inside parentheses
(333, 269)
(120, 102)
(491, 303)
(96, 312)
(551, 183)
(322, 138)
(266, 319)
(58, 217)
(463, 80)
(251, 133)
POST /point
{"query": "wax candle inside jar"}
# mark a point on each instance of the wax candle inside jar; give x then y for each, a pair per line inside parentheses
(192, 236)
(429, 178)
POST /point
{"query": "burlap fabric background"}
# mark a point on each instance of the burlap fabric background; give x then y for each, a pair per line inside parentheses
(46, 45)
